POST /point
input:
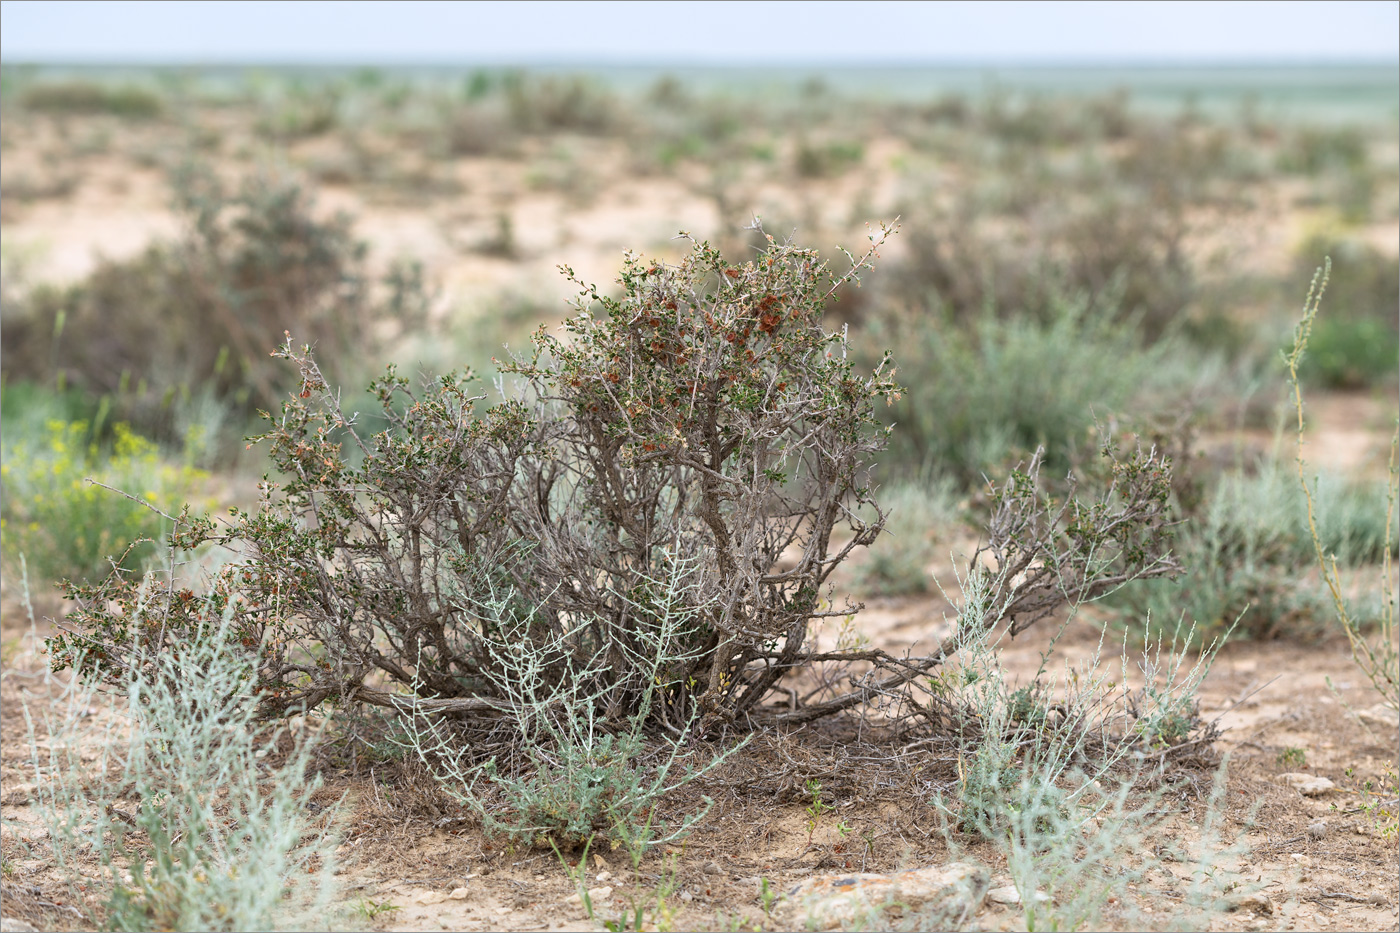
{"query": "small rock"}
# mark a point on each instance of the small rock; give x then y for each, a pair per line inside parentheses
(687, 896)
(603, 876)
(12, 925)
(1380, 715)
(1256, 901)
(1306, 784)
(1006, 895)
(429, 898)
(18, 795)
(1009, 895)
(458, 894)
(830, 901)
(711, 868)
(1317, 829)
(594, 894)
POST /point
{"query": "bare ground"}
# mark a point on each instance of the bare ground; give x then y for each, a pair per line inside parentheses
(409, 851)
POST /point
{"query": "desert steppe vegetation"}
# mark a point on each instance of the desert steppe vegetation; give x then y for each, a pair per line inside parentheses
(451, 499)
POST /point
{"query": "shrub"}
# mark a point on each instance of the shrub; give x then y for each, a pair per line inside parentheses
(823, 160)
(214, 839)
(1246, 547)
(1351, 354)
(991, 394)
(692, 431)
(1358, 343)
(84, 97)
(69, 528)
(1018, 247)
(706, 414)
(207, 310)
(553, 104)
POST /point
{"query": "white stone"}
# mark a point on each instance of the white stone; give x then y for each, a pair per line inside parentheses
(1380, 715)
(1307, 784)
(1009, 895)
(830, 901)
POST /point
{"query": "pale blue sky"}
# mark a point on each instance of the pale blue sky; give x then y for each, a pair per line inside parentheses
(752, 34)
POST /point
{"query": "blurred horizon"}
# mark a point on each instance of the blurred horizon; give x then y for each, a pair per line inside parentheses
(723, 34)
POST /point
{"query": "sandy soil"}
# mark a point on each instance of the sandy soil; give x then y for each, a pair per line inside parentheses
(407, 848)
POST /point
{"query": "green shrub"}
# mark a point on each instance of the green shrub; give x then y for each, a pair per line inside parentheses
(213, 837)
(68, 528)
(1351, 354)
(207, 311)
(1358, 343)
(84, 97)
(991, 394)
(1246, 549)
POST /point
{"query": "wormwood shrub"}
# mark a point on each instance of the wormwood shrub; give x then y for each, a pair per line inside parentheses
(1066, 775)
(69, 528)
(994, 392)
(178, 801)
(583, 779)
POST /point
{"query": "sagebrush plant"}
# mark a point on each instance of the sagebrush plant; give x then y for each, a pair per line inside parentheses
(992, 391)
(68, 527)
(586, 774)
(1064, 774)
(197, 820)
